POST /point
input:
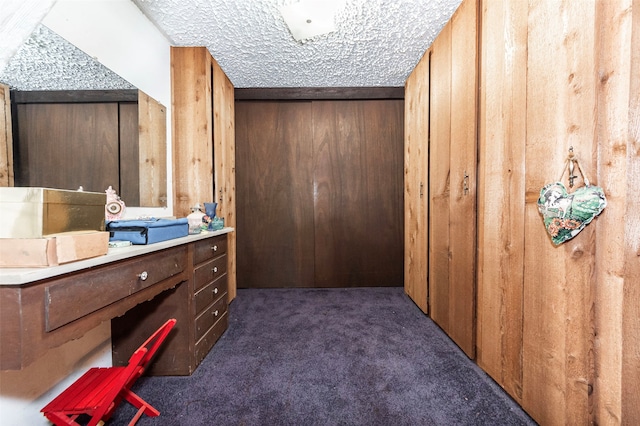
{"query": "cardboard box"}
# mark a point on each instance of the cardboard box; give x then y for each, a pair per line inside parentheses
(39, 212)
(72, 246)
(54, 250)
(28, 252)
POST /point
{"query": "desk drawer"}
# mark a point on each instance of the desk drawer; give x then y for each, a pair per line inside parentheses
(204, 345)
(73, 297)
(209, 248)
(211, 315)
(211, 292)
(209, 271)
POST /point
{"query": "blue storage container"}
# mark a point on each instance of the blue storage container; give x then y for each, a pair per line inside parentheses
(147, 231)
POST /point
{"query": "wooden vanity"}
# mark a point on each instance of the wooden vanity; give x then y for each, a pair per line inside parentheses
(137, 287)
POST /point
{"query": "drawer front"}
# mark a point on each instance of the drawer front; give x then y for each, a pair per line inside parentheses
(206, 319)
(209, 271)
(73, 297)
(204, 345)
(209, 248)
(209, 293)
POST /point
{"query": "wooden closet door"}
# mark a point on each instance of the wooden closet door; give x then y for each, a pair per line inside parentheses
(358, 193)
(274, 187)
(416, 191)
(453, 161)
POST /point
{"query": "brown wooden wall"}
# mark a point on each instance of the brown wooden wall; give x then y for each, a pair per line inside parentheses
(204, 140)
(551, 319)
(558, 327)
(319, 193)
(6, 138)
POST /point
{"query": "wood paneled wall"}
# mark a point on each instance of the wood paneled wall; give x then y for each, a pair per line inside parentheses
(558, 327)
(203, 126)
(553, 322)
(6, 138)
(416, 160)
(320, 193)
(152, 154)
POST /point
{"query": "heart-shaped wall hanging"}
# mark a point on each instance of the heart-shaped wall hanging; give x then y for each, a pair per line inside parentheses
(564, 214)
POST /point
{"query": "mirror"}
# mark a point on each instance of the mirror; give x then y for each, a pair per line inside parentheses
(53, 82)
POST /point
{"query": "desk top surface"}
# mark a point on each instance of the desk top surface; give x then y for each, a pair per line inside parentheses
(21, 276)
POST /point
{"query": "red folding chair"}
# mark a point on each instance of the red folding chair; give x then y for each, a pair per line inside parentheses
(99, 391)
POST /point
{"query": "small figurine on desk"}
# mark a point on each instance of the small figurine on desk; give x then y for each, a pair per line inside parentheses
(195, 220)
(115, 206)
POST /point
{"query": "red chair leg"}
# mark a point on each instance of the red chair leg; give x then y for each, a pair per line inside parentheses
(138, 402)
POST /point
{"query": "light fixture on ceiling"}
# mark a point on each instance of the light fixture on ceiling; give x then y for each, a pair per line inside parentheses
(310, 18)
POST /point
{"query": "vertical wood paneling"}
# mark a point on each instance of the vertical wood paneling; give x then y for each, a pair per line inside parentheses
(6, 138)
(439, 177)
(558, 326)
(192, 128)
(631, 303)
(128, 114)
(463, 158)
(275, 194)
(152, 155)
(452, 177)
(501, 242)
(225, 158)
(614, 29)
(81, 147)
(416, 152)
(358, 193)
(556, 74)
(203, 116)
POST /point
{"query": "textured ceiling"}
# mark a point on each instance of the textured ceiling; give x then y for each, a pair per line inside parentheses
(47, 61)
(376, 42)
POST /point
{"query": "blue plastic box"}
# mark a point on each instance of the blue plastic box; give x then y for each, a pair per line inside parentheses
(150, 231)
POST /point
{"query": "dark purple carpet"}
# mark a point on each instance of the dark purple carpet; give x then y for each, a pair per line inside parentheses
(359, 356)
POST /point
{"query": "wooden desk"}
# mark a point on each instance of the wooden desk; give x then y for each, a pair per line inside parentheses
(46, 307)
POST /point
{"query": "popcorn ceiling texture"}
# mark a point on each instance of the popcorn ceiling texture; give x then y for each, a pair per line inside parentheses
(47, 61)
(377, 42)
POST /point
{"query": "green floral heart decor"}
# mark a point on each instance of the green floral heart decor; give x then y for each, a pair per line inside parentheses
(564, 214)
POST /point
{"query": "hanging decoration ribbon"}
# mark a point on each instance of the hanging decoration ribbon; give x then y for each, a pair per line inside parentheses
(566, 214)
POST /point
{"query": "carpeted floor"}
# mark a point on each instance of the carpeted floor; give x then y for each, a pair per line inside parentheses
(359, 356)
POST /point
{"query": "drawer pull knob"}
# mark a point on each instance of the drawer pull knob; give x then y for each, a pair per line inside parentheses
(215, 290)
(215, 269)
(215, 313)
(214, 248)
(143, 276)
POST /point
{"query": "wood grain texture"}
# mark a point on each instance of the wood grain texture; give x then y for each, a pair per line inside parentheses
(152, 155)
(192, 128)
(631, 304)
(501, 177)
(129, 154)
(203, 139)
(275, 194)
(224, 157)
(613, 27)
(6, 137)
(558, 325)
(463, 158)
(67, 146)
(318, 93)
(416, 152)
(439, 177)
(358, 191)
(320, 193)
(452, 177)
